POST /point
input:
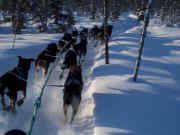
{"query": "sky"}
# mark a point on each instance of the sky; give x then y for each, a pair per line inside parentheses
(112, 103)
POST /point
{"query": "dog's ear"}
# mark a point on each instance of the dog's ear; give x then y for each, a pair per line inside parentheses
(19, 57)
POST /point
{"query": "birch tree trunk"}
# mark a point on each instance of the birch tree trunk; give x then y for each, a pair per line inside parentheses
(146, 22)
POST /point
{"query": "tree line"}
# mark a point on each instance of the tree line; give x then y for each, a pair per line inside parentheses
(60, 13)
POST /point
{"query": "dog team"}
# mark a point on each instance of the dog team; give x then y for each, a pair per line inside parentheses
(74, 52)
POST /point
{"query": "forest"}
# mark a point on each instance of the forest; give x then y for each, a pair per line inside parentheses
(58, 15)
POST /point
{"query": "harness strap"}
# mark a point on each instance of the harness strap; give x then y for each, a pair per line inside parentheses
(54, 85)
(51, 55)
(21, 76)
(73, 80)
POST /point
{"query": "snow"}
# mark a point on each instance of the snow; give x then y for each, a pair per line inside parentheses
(112, 103)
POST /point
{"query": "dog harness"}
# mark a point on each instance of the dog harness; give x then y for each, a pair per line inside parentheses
(19, 73)
(73, 80)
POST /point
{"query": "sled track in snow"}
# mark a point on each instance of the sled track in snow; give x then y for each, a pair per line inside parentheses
(51, 110)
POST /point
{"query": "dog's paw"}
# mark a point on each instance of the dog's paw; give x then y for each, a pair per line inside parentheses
(20, 102)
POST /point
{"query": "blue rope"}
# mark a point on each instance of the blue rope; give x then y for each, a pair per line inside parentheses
(37, 103)
(51, 56)
(18, 76)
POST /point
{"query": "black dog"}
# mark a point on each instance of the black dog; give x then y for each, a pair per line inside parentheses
(73, 85)
(74, 36)
(72, 90)
(81, 48)
(46, 57)
(93, 32)
(100, 35)
(60, 45)
(68, 41)
(69, 59)
(84, 32)
(14, 81)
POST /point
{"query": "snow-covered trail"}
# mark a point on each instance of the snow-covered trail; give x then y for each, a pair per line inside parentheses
(50, 118)
(52, 111)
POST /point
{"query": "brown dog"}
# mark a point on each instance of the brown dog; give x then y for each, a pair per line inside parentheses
(14, 81)
(45, 58)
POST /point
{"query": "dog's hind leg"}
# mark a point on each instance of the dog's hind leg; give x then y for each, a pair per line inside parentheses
(73, 115)
(75, 106)
(14, 104)
(13, 100)
(65, 108)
